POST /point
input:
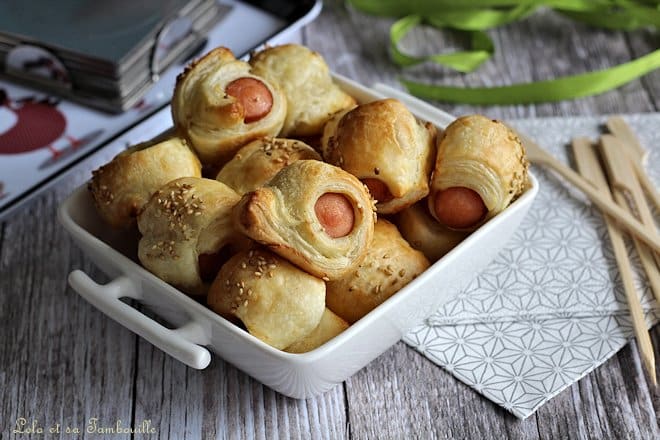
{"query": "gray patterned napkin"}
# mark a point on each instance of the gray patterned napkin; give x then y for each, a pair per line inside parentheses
(551, 307)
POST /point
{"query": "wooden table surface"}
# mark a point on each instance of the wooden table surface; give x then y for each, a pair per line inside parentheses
(62, 361)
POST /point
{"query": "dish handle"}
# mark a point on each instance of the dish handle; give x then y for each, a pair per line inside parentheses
(177, 343)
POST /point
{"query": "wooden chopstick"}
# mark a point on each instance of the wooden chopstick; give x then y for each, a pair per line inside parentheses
(619, 128)
(538, 155)
(589, 167)
(624, 181)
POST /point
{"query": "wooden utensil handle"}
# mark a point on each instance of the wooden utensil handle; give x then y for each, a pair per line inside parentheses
(589, 167)
(605, 204)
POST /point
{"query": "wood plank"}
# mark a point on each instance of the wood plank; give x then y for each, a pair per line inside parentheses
(641, 43)
(64, 362)
(598, 407)
(403, 395)
(222, 401)
(575, 49)
(522, 55)
(352, 43)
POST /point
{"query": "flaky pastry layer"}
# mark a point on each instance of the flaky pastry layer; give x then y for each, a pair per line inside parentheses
(281, 215)
(383, 140)
(257, 162)
(276, 301)
(210, 119)
(184, 219)
(303, 75)
(123, 186)
(483, 155)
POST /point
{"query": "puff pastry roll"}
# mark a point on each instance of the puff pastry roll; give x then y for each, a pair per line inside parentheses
(187, 232)
(219, 105)
(329, 131)
(330, 326)
(386, 147)
(275, 301)
(311, 94)
(480, 168)
(312, 213)
(123, 186)
(257, 162)
(390, 264)
(426, 234)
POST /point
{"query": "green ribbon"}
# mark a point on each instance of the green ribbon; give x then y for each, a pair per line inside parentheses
(477, 16)
(481, 48)
(569, 87)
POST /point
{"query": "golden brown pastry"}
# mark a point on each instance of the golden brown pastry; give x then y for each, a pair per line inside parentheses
(480, 168)
(389, 150)
(425, 233)
(187, 232)
(257, 162)
(219, 105)
(330, 326)
(329, 131)
(304, 77)
(314, 214)
(121, 187)
(276, 302)
(390, 264)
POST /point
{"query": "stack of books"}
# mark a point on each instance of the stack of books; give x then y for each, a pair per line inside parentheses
(102, 54)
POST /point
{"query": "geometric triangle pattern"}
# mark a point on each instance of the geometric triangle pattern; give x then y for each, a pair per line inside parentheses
(550, 307)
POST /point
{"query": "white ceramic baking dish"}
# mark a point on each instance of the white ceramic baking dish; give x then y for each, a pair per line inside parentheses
(196, 330)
